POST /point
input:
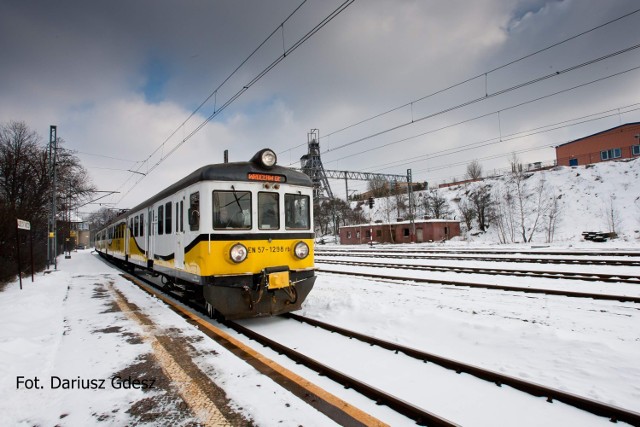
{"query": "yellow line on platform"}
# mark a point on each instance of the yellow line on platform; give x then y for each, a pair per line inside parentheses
(354, 416)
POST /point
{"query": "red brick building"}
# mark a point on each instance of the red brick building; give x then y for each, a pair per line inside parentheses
(400, 232)
(621, 142)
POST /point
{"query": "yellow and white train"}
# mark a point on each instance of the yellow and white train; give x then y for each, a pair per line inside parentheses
(237, 235)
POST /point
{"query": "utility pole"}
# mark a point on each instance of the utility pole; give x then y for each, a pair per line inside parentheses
(52, 239)
(412, 220)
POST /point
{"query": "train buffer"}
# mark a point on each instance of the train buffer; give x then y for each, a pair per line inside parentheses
(598, 236)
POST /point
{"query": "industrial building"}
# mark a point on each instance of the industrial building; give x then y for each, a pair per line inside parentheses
(430, 230)
(620, 142)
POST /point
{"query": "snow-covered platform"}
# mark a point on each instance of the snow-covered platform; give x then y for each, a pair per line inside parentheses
(83, 346)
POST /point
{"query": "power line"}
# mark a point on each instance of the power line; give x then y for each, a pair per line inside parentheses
(245, 87)
(485, 74)
(517, 135)
(505, 138)
(490, 113)
(492, 95)
(470, 79)
(215, 91)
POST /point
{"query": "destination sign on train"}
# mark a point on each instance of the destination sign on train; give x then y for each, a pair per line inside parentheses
(265, 177)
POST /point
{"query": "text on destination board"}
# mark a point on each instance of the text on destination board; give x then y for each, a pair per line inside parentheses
(265, 177)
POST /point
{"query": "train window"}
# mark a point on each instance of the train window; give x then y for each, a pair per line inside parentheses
(177, 217)
(180, 216)
(141, 225)
(232, 209)
(194, 211)
(268, 211)
(160, 220)
(167, 219)
(297, 212)
(136, 224)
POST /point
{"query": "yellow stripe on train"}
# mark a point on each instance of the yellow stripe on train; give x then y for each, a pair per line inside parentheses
(212, 258)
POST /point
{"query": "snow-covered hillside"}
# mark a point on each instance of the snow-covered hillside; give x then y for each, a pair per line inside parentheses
(588, 198)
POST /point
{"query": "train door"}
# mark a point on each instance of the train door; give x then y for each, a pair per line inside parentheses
(179, 250)
(151, 231)
(128, 226)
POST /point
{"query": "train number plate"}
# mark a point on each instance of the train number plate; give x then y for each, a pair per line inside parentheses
(279, 280)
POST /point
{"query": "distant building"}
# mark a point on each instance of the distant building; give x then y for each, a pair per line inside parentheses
(621, 142)
(430, 230)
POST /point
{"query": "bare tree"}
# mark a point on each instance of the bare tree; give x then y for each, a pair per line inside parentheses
(322, 217)
(612, 215)
(483, 205)
(438, 205)
(378, 186)
(467, 212)
(514, 162)
(400, 199)
(474, 170)
(388, 209)
(553, 217)
(522, 208)
(25, 189)
(504, 205)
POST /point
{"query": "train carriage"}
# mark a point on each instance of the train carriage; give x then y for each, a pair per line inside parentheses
(238, 235)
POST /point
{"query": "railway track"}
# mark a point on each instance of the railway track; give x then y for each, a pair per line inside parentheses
(525, 289)
(586, 276)
(455, 368)
(612, 412)
(400, 405)
(577, 258)
(333, 407)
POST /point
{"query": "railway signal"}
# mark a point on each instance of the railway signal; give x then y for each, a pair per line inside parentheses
(371, 202)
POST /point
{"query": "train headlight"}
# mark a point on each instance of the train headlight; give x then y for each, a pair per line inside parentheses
(268, 158)
(238, 253)
(265, 158)
(301, 250)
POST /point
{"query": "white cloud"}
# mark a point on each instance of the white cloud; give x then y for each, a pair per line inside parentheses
(83, 66)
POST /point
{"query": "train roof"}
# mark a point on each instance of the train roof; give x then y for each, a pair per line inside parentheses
(236, 171)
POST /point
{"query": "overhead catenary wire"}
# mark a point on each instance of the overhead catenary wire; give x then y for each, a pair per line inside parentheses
(214, 93)
(496, 140)
(484, 75)
(492, 95)
(492, 112)
(244, 88)
(510, 137)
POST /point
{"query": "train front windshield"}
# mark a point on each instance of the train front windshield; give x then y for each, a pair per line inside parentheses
(297, 211)
(232, 209)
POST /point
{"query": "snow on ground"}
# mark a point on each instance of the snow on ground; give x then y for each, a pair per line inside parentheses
(66, 327)
(589, 196)
(578, 345)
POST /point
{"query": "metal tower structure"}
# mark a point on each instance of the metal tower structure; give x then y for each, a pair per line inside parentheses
(311, 164)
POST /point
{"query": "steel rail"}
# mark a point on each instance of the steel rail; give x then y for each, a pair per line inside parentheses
(614, 413)
(334, 408)
(596, 296)
(386, 248)
(419, 415)
(456, 256)
(571, 275)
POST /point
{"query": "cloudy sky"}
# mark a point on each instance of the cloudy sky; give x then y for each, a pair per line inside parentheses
(125, 82)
